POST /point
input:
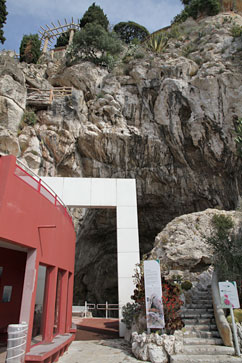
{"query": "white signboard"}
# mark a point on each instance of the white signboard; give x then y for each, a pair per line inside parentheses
(229, 295)
(153, 295)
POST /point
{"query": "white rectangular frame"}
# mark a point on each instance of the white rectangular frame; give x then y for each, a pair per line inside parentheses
(109, 193)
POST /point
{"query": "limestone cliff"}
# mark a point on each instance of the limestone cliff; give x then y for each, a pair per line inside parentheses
(166, 119)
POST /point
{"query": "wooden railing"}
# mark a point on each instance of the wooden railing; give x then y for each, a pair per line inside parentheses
(38, 96)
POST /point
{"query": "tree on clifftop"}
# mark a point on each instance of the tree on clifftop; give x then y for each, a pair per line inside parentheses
(131, 31)
(95, 14)
(3, 18)
(196, 8)
(30, 48)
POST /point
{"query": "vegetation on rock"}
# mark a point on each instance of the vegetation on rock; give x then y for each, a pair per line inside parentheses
(157, 42)
(29, 117)
(186, 285)
(3, 18)
(237, 316)
(30, 48)
(94, 14)
(196, 8)
(131, 32)
(93, 43)
(62, 40)
(227, 246)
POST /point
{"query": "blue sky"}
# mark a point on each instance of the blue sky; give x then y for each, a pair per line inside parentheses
(26, 16)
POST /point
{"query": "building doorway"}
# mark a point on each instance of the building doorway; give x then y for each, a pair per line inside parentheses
(12, 271)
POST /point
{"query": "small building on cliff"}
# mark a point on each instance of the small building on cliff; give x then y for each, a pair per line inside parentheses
(37, 252)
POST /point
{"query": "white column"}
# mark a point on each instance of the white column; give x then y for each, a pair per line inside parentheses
(127, 241)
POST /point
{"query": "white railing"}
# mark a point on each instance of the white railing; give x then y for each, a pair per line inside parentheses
(107, 307)
(89, 306)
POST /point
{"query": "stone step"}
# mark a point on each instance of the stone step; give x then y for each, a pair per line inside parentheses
(180, 358)
(201, 301)
(203, 293)
(203, 341)
(205, 298)
(201, 327)
(198, 321)
(199, 306)
(195, 314)
(201, 334)
(197, 310)
(207, 350)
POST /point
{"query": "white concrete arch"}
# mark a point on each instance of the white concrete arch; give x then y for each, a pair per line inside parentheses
(108, 193)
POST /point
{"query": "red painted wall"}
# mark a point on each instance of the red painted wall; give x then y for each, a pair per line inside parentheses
(13, 263)
(25, 218)
(29, 219)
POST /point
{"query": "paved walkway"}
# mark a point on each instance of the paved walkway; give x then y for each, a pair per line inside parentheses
(97, 341)
(96, 328)
(99, 351)
(2, 354)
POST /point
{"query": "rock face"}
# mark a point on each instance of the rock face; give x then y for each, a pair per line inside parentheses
(182, 249)
(167, 120)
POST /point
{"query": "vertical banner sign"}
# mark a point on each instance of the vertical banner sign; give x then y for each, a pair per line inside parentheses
(229, 295)
(153, 295)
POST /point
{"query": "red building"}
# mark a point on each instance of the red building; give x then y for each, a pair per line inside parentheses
(37, 249)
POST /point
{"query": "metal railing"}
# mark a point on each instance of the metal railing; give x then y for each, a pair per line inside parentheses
(32, 179)
(89, 306)
(107, 307)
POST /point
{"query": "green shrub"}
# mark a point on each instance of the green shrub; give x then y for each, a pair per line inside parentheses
(227, 249)
(157, 42)
(129, 311)
(3, 18)
(133, 52)
(229, 319)
(93, 43)
(186, 285)
(195, 8)
(94, 14)
(236, 31)
(131, 31)
(30, 48)
(187, 49)
(237, 316)
(175, 32)
(62, 40)
(29, 118)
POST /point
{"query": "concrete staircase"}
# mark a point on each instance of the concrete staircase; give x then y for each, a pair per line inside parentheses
(202, 343)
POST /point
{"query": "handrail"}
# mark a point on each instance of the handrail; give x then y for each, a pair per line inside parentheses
(221, 321)
(42, 184)
(48, 94)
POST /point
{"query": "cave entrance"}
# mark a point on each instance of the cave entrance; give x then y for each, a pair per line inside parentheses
(119, 194)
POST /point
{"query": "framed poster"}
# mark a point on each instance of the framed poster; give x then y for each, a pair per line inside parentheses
(153, 295)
